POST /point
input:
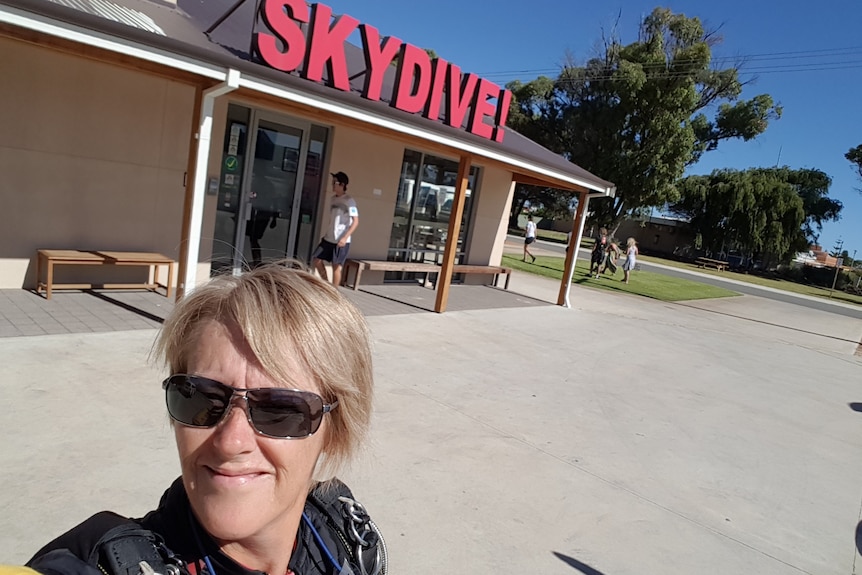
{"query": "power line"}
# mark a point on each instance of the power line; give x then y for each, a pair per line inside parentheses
(679, 74)
(763, 58)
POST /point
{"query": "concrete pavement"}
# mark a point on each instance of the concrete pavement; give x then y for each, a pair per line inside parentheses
(624, 435)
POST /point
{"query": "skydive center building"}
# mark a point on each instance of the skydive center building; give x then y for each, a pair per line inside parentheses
(206, 131)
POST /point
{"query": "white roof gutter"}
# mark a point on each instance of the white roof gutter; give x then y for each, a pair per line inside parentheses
(189, 265)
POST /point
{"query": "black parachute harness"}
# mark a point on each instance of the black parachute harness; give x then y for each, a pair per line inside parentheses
(130, 550)
(352, 524)
(367, 537)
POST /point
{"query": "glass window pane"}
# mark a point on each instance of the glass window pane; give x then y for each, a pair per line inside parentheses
(420, 225)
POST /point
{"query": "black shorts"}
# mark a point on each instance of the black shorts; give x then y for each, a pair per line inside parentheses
(528, 241)
(330, 252)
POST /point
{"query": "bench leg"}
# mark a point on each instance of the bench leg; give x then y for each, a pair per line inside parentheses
(49, 279)
(38, 273)
(507, 281)
(168, 288)
(356, 277)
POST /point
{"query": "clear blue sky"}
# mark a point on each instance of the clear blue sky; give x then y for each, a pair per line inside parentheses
(505, 40)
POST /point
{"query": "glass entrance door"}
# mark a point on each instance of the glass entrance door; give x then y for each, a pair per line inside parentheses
(270, 194)
(267, 201)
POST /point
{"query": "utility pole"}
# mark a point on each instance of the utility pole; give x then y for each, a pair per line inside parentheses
(856, 268)
(839, 262)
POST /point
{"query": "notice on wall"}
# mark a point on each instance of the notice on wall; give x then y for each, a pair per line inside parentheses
(233, 142)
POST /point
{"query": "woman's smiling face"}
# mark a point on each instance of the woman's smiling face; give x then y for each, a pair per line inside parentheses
(243, 486)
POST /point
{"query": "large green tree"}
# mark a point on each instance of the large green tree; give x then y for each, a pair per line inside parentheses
(812, 186)
(548, 202)
(636, 114)
(765, 212)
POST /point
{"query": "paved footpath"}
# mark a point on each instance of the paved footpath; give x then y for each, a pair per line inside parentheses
(622, 436)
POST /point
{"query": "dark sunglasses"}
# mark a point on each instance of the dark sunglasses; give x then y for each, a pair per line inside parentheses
(271, 411)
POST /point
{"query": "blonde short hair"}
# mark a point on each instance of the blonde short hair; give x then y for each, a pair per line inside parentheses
(630, 242)
(287, 316)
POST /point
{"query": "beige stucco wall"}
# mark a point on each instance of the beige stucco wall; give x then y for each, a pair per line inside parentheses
(374, 166)
(491, 216)
(93, 157)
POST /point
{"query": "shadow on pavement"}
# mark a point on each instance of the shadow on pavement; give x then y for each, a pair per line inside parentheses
(587, 570)
(126, 306)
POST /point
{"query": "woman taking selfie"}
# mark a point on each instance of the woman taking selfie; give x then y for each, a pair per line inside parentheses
(269, 393)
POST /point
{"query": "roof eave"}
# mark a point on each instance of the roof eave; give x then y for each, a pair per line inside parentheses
(63, 22)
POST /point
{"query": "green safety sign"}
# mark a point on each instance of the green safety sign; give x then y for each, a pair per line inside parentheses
(231, 163)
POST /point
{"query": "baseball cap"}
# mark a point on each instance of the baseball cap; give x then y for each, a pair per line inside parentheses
(341, 178)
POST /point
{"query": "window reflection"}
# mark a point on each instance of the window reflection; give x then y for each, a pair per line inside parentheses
(423, 205)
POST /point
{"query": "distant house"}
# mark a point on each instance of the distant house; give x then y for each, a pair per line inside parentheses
(816, 257)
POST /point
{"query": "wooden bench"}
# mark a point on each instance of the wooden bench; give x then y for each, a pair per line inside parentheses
(711, 263)
(358, 266)
(48, 259)
(473, 269)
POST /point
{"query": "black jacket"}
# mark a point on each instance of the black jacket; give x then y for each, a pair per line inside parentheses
(76, 552)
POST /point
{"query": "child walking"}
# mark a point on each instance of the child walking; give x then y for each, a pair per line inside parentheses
(631, 258)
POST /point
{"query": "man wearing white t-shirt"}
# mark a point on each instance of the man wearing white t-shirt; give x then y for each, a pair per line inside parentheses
(343, 221)
(529, 237)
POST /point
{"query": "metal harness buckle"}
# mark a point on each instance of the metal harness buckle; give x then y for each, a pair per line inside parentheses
(361, 527)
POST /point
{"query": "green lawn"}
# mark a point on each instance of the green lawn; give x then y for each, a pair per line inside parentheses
(552, 236)
(642, 283)
(757, 280)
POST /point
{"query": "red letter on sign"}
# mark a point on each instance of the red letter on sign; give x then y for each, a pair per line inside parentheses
(483, 107)
(286, 31)
(438, 73)
(326, 47)
(503, 103)
(377, 59)
(412, 80)
(459, 93)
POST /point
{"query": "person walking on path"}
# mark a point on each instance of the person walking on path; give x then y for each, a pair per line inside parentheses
(631, 258)
(597, 257)
(612, 252)
(529, 237)
(343, 221)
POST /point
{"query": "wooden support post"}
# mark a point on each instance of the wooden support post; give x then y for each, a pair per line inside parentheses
(444, 280)
(574, 246)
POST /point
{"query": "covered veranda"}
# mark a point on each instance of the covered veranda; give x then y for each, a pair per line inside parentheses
(184, 53)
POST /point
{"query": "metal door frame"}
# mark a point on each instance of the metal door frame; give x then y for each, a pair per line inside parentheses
(244, 207)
